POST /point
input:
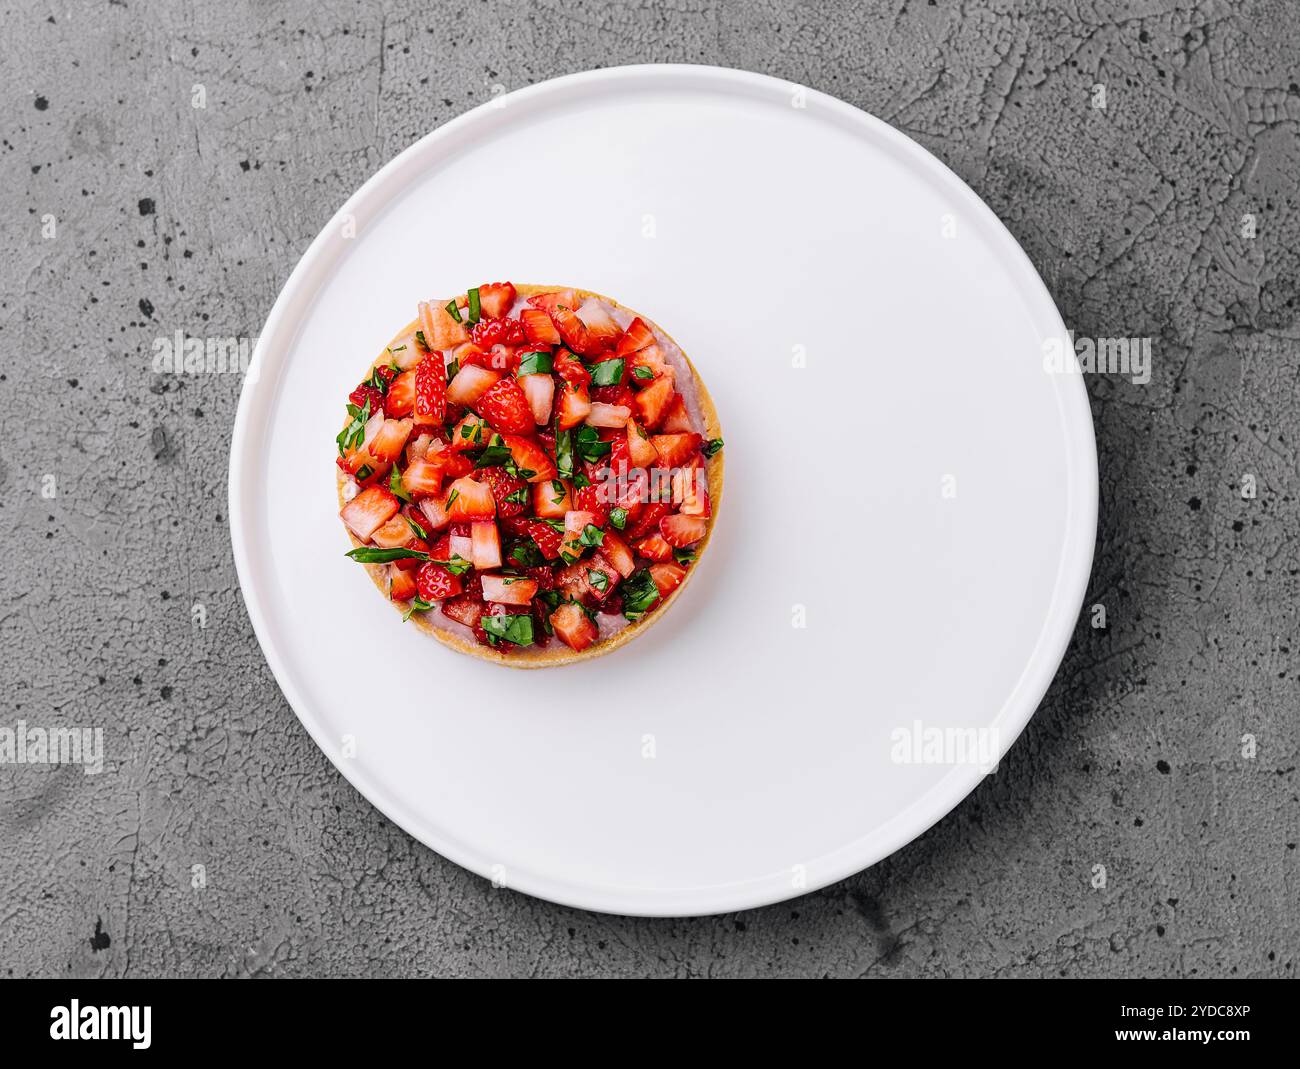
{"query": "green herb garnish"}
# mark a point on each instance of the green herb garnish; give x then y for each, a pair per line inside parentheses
(374, 555)
(516, 629)
(564, 454)
(642, 372)
(607, 372)
(591, 536)
(618, 517)
(599, 580)
(453, 311)
(639, 594)
(473, 305)
(588, 445)
(395, 485)
(450, 498)
(458, 565)
(536, 363)
(417, 604)
(712, 446)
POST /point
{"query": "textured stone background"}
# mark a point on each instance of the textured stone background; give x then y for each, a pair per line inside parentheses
(170, 217)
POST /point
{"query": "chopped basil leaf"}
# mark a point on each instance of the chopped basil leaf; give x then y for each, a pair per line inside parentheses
(417, 604)
(643, 372)
(421, 343)
(458, 565)
(374, 555)
(420, 532)
(364, 472)
(395, 485)
(526, 554)
(536, 363)
(516, 629)
(564, 454)
(639, 594)
(588, 444)
(377, 381)
(598, 580)
(492, 456)
(712, 446)
(473, 305)
(450, 498)
(519, 497)
(683, 556)
(396, 348)
(452, 310)
(607, 372)
(453, 369)
(618, 517)
(580, 480)
(591, 536)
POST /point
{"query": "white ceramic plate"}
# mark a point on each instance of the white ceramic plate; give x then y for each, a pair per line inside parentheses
(903, 477)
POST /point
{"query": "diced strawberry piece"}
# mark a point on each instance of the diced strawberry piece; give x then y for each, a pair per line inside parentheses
(495, 299)
(531, 460)
(548, 302)
(637, 336)
(614, 395)
(681, 531)
(618, 553)
(461, 545)
(641, 451)
(650, 359)
(489, 332)
(401, 584)
(540, 392)
(599, 589)
(574, 626)
(410, 564)
(667, 576)
(390, 440)
(505, 407)
(430, 392)
(676, 449)
(509, 589)
(653, 547)
(436, 516)
(454, 464)
(547, 538)
(649, 519)
(677, 420)
(369, 510)
(436, 583)
(575, 522)
(472, 432)
(367, 393)
(392, 534)
(471, 383)
(401, 396)
(571, 369)
(601, 326)
(550, 501)
(591, 498)
(466, 609)
(538, 328)
(485, 545)
(691, 491)
(417, 446)
(603, 415)
(470, 500)
(440, 330)
(405, 352)
(471, 355)
(573, 331)
(574, 406)
(506, 491)
(422, 478)
(653, 402)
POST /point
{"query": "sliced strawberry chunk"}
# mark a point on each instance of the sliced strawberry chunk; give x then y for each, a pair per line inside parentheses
(440, 330)
(401, 584)
(485, 545)
(401, 396)
(506, 491)
(651, 360)
(573, 331)
(369, 510)
(430, 392)
(591, 498)
(648, 520)
(548, 302)
(681, 531)
(392, 534)
(505, 407)
(574, 626)
(531, 460)
(490, 332)
(637, 336)
(653, 402)
(619, 394)
(571, 369)
(599, 588)
(454, 464)
(667, 577)
(603, 415)
(574, 407)
(618, 553)
(471, 383)
(509, 589)
(466, 609)
(470, 500)
(551, 499)
(676, 449)
(641, 451)
(576, 522)
(390, 440)
(601, 327)
(653, 547)
(436, 516)
(538, 328)
(540, 392)
(495, 299)
(422, 478)
(472, 432)
(677, 420)
(547, 538)
(436, 582)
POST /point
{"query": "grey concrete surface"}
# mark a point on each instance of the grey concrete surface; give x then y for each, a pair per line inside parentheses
(168, 216)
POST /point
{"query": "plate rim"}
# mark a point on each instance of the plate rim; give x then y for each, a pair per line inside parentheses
(1073, 570)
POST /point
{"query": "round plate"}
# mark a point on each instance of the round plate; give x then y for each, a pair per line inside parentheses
(901, 554)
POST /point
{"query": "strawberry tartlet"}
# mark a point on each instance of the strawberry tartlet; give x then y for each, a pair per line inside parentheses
(530, 473)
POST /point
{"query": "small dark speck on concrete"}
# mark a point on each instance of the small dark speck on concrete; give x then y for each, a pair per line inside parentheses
(1194, 503)
(42, 103)
(100, 940)
(146, 306)
(1162, 767)
(146, 205)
